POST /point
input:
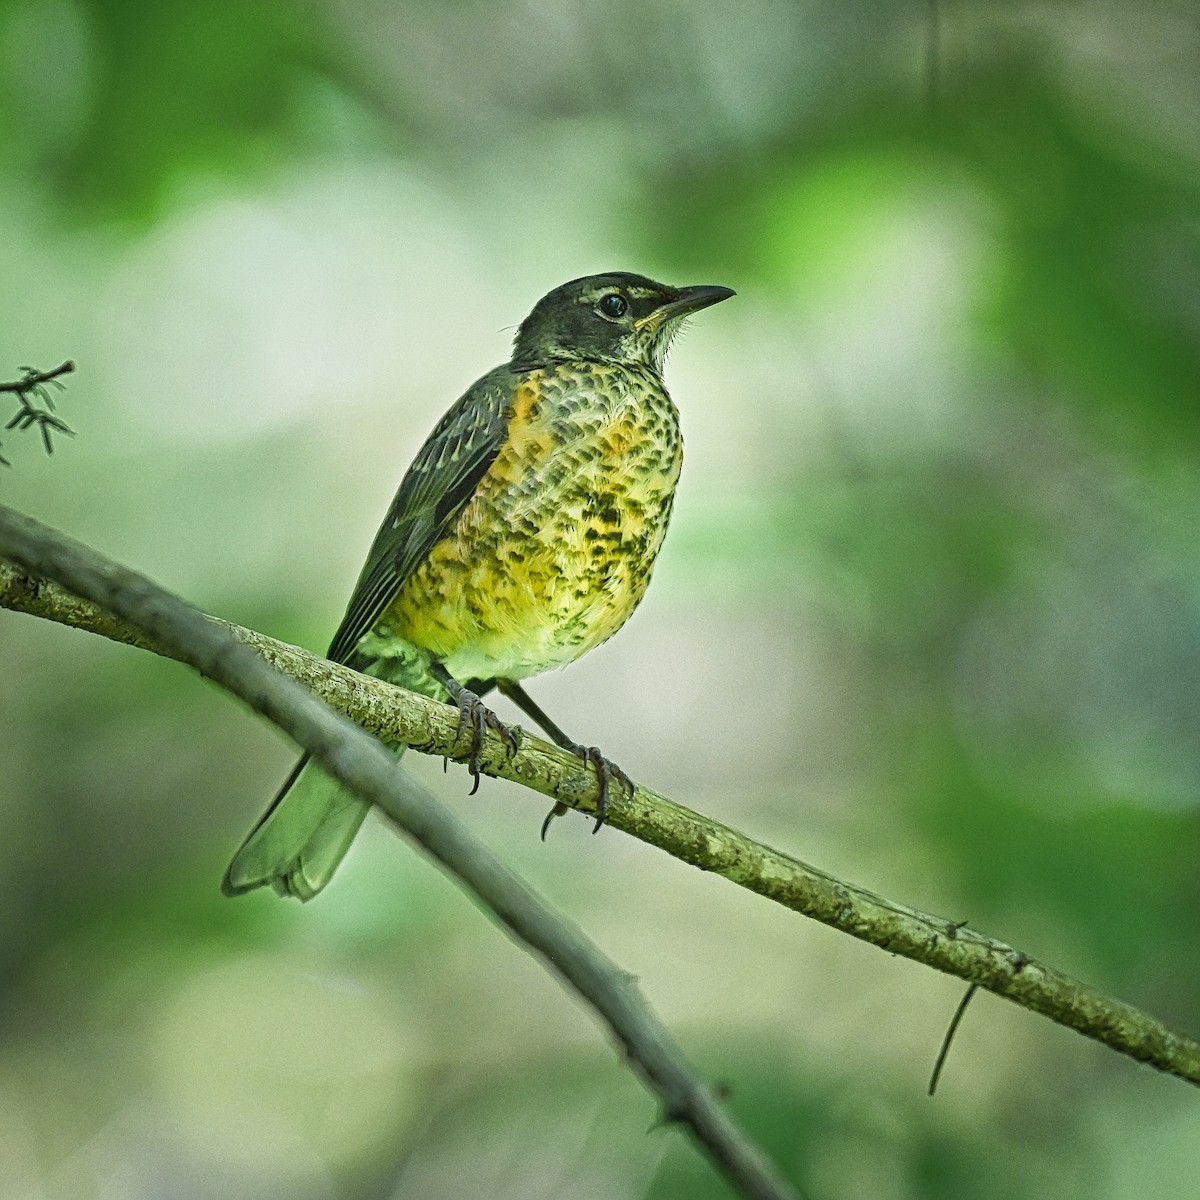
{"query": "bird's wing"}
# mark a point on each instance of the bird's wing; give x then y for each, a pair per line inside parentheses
(442, 478)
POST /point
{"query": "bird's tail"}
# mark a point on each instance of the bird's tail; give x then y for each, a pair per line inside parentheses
(301, 839)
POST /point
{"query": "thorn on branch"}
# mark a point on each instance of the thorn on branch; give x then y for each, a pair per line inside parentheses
(674, 1112)
(677, 1110)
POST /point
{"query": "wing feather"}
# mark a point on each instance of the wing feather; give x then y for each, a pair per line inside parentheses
(442, 478)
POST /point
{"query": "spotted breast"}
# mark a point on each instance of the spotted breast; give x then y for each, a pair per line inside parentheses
(555, 548)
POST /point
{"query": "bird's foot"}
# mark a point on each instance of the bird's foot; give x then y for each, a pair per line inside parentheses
(475, 719)
(606, 772)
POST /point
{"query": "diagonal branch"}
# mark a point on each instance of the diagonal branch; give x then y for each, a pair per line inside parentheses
(947, 946)
(148, 616)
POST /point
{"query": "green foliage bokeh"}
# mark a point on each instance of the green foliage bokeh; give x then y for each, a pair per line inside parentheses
(928, 614)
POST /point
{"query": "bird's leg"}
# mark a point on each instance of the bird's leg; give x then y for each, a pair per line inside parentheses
(605, 770)
(473, 716)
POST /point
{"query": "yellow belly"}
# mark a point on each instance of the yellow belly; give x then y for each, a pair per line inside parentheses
(554, 551)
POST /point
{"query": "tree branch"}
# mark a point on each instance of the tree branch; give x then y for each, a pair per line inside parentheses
(947, 946)
(32, 387)
(33, 380)
(155, 619)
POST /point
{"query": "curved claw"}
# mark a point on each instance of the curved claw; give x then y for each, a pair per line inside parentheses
(558, 810)
(606, 771)
(475, 718)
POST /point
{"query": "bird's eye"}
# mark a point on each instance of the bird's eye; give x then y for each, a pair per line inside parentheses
(613, 305)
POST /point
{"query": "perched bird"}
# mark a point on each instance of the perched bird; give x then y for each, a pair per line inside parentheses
(522, 536)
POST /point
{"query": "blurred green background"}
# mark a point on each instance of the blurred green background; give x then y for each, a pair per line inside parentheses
(928, 615)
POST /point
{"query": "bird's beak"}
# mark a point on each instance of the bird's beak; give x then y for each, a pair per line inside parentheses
(687, 300)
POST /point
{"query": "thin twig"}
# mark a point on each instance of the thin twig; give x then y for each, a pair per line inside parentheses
(32, 379)
(951, 1030)
(31, 387)
(361, 763)
(950, 946)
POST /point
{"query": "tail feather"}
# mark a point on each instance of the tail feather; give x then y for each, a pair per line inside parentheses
(301, 839)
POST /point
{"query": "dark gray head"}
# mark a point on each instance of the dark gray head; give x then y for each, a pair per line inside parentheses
(616, 317)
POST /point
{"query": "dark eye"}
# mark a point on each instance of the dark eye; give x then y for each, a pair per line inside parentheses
(613, 305)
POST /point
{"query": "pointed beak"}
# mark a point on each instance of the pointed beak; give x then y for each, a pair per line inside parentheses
(688, 300)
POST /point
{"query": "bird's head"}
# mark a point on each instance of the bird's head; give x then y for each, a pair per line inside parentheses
(617, 317)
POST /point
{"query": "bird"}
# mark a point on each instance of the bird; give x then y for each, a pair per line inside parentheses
(522, 536)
